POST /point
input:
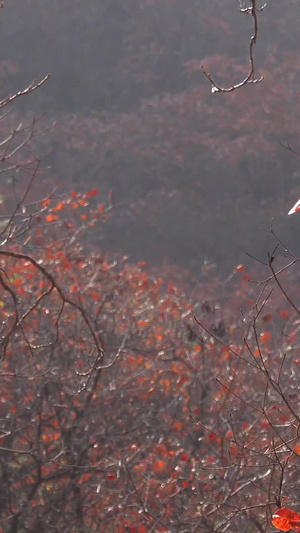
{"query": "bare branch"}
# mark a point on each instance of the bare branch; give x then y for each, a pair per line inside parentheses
(32, 87)
(252, 10)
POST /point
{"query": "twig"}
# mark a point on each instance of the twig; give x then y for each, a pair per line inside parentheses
(252, 10)
(32, 87)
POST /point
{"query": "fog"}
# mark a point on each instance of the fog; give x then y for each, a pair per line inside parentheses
(196, 177)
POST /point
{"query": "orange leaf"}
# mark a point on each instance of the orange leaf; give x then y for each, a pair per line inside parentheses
(297, 447)
(178, 426)
(286, 519)
(142, 323)
(51, 218)
(45, 203)
(198, 348)
(59, 206)
(159, 466)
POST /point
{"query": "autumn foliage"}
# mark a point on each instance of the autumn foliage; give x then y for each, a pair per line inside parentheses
(286, 520)
(120, 411)
(137, 399)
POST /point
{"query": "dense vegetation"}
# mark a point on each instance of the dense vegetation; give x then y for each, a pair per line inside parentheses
(131, 403)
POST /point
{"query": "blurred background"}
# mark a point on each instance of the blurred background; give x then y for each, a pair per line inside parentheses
(196, 177)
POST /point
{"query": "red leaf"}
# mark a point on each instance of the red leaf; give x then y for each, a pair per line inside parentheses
(67, 225)
(184, 457)
(284, 313)
(171, 287)
(213, 436)
(246, 277)
(95, 296)
(142, 529)
(239, 268)
(267, 317)
(286, 519)
(93, 192)
(265, 336)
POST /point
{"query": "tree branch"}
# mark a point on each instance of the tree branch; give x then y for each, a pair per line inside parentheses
(252, 10)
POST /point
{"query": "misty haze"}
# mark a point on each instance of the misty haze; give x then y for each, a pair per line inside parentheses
(196, 177)
(149, 271)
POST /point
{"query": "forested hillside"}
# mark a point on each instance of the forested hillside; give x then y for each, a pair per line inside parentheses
(149, 377)
(195, 176)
